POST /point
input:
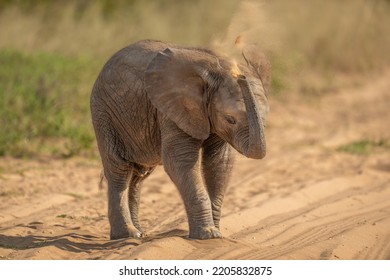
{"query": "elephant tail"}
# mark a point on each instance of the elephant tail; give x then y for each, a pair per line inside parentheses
(102, 180)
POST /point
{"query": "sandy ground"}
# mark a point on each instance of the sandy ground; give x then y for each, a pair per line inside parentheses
(306, 200)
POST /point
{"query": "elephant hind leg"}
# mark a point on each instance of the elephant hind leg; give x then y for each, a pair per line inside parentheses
(140, 173)
(121, 225)
(119, 174)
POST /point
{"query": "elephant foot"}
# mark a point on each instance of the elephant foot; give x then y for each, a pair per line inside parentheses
(137, 226)
(205, 233)
(129, 232)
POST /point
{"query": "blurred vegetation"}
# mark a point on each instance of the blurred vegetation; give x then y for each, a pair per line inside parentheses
(42, 102)
(364, 147)
(52, 50)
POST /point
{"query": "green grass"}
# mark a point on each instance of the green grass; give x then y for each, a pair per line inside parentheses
(44, 101)
(65, 216)
(364, 147)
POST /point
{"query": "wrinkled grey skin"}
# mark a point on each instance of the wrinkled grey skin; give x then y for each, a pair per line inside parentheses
(155, 103)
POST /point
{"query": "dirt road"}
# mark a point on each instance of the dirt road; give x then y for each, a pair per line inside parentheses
(306, 200)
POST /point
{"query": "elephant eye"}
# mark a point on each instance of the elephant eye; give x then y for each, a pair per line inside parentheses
(230, 119)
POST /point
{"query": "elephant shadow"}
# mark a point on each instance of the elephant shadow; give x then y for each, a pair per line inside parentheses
(81, 243)
(71, 242)
(167, 234)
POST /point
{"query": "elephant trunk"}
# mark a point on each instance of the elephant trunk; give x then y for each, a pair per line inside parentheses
(256, 147)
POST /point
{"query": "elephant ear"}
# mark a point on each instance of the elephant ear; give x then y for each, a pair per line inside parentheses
(256, 59)
(175, 87)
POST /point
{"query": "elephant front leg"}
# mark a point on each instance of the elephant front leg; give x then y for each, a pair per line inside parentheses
(180, 154)
(217, 163)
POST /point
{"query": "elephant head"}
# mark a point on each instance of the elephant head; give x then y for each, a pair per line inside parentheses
(204, 93)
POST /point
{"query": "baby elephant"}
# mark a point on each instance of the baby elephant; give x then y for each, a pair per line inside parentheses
(156, 103)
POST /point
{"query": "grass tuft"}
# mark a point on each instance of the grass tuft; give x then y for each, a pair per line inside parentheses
(364, 147)
(65, 216)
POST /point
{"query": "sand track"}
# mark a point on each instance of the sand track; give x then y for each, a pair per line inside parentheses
(306, 200)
